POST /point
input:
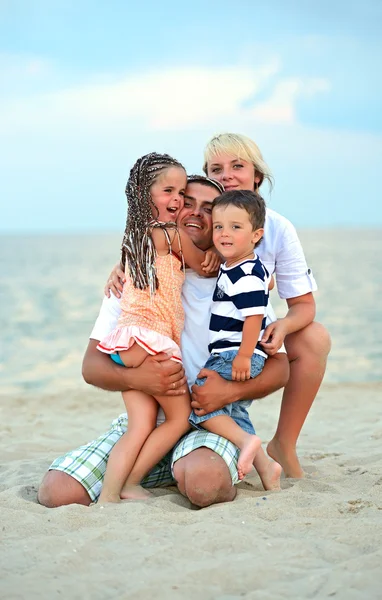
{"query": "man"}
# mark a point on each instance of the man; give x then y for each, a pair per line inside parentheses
(203, 465)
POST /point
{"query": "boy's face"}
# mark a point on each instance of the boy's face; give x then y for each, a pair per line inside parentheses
(196, 214)
(233, 233)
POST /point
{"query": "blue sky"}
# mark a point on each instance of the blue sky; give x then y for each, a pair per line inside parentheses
(87, 87)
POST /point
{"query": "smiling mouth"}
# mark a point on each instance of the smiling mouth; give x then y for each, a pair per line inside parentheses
(230, 187)
(195, 225)
(172, 210)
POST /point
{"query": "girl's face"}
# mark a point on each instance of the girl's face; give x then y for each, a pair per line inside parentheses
(167, 193)
(232, 172)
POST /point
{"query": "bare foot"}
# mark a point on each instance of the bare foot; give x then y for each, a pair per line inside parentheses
(247, 455)
(134, 492)
(106, 498)
(270, 478)
(286, 457)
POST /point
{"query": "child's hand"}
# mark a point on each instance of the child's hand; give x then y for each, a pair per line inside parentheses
(241, 368)
(212, 261)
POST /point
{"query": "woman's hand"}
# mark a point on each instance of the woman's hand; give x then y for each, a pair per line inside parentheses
(115, 281)
(212, 261)
(274, 336)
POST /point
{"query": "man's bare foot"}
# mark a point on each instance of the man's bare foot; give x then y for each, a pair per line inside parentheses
(247, 455)
(286, 457)
(134, 492)
(270, 477)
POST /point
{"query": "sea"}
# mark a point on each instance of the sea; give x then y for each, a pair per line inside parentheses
(51, 289)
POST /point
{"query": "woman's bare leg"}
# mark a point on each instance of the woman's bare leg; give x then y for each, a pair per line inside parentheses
(177, 410)
(142, 410)
(308, 350)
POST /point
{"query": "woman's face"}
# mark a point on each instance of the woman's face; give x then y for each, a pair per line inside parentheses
(233, 173)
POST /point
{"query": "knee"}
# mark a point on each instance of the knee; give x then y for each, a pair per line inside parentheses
(59, 489)
(206, 484)
(312, 340)
(318, 338)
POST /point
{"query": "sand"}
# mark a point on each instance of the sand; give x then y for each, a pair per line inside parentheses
(320, 537)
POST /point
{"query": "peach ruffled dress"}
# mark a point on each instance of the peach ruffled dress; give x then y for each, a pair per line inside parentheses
(155, 321)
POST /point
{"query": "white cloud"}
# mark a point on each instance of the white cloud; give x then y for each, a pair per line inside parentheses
(280, 106)
(172, 99)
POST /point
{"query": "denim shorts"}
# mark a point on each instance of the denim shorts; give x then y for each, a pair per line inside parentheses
(222, 364)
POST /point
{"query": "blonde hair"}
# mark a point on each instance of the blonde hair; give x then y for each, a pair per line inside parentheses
(241, 147)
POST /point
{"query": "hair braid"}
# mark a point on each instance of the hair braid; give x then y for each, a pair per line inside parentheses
(138, 249)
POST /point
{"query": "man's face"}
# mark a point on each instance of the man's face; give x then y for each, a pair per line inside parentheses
(196, 215)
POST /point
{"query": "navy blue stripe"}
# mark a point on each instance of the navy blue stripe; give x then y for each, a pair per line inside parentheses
(219, 344)
(222, 344)
(220, 296)
(234, 274)
(249, 299)
(219, 323)
(258, 347)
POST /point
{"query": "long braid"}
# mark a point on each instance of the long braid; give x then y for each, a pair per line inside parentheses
(138, 250)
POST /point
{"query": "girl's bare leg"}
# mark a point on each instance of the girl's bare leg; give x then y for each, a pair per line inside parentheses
(177, 410)
(134, 356)
(248, 443)
(308, 350)
(142, 410)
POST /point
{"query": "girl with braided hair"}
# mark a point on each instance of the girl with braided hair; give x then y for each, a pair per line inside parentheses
(154, 254)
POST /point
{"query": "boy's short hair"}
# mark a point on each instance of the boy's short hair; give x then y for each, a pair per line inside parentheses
(249, 201)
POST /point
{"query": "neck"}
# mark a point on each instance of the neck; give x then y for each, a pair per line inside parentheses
(238, 259)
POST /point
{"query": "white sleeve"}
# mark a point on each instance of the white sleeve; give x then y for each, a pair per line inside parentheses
(293, 276)
(107, 319)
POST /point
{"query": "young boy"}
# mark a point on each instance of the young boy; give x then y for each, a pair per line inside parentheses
(238, 317)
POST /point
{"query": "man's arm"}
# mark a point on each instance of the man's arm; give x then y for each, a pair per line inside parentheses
(218, 392)
(157, 376)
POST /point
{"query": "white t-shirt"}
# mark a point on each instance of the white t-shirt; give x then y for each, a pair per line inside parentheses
(281, 253)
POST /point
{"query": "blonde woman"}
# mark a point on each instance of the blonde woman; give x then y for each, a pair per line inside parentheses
(237, 163)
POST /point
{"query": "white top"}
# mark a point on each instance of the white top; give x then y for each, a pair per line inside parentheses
(281, 252)
(241, 291)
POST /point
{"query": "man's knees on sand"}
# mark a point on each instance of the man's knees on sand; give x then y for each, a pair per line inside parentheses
(58, 489)
(203, 477)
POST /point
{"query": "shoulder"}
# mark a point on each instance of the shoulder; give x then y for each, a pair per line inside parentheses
(278, 230)
(274, 221)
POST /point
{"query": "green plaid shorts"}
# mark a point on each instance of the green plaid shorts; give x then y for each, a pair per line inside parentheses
(87, 464)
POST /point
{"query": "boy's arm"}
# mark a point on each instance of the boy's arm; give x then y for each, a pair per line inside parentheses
(241, 365)
(218, 392)
(157, 376)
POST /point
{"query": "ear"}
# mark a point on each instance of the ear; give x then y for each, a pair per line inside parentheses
(257, 235)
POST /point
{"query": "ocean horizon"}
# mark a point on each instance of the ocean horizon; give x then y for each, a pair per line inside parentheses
(51, 289)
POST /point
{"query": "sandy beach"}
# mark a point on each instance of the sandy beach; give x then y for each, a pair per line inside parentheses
(320, 537)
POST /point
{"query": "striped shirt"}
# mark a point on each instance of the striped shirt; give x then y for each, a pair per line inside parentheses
(241, 291)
